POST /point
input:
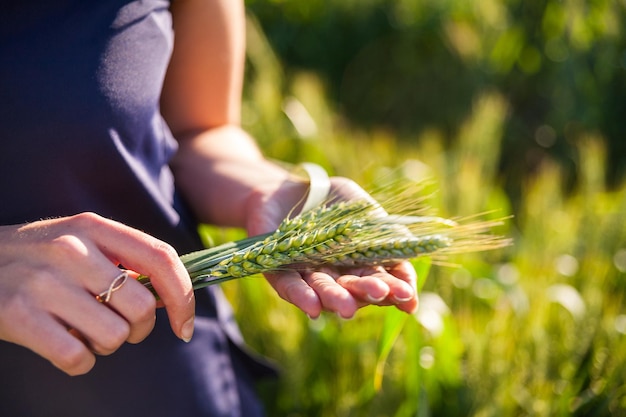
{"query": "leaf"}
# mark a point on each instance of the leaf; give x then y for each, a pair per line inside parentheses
(392, 327)
(395, 321)
(422, 268)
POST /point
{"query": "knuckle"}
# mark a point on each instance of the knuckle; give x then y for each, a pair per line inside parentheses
(167, 259)
(86, 219)
(69, 246)
(145, 306)
(85, 223)
(73, 358)
(115, 337)
(164, 251)
(118, 335)
(290, 290)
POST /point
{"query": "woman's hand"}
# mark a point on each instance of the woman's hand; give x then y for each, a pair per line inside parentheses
(341, 290)
(51, 272)
(245, 189)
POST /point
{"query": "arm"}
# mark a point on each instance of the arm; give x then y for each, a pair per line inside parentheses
(225, 177)
(201, 102)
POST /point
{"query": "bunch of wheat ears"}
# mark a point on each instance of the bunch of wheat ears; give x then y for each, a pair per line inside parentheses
(342, 234)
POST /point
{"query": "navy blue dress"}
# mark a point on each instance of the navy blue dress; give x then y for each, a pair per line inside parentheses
(81, 130)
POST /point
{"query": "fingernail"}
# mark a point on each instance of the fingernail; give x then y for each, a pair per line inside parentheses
(404, 294)
(186, 331)
(403, 299)
(371, 299)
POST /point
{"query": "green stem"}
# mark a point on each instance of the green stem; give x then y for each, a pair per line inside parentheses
(196, 262)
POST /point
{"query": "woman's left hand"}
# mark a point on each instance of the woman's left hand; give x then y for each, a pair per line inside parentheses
(340, 290)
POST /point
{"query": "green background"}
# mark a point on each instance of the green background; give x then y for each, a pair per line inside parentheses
(510, 106)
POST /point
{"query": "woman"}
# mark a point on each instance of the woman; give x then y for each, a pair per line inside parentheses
(117, 138)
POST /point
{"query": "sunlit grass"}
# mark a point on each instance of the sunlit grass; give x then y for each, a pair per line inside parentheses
(536, 329)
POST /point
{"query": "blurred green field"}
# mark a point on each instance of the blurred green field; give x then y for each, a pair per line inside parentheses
(536, 329)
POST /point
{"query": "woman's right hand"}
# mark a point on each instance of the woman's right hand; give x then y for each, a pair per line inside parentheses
(51, 272)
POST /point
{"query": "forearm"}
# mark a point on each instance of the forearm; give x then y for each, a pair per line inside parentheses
(221, 173)
(218, 167)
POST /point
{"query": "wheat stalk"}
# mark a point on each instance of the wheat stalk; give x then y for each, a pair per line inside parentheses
(340, 234)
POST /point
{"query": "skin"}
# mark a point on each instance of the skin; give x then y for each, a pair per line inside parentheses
(51, 270)
(251, 191)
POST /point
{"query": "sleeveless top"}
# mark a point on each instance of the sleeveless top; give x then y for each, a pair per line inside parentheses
(80, 130)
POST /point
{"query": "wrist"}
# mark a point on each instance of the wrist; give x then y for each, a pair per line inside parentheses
(304, 187)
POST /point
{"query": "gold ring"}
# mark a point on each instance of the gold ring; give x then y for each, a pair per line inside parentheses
(116, 284)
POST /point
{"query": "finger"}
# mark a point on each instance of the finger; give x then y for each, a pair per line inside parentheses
(171, 281)
(48, 338)
(130, 299)
(103, 330)
(143, 253)
(52, 293)
(332, 295)
(369, 284)
(137, 306)
(371, 290)
(404, 272)
(410, 306)
(365, 288)
(291, 287)
(399, 290)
